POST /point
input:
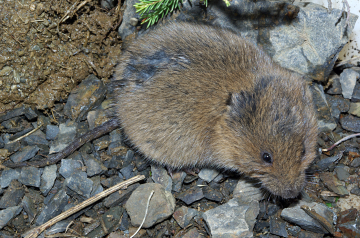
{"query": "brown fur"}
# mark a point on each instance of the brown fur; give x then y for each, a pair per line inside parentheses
(201, 96)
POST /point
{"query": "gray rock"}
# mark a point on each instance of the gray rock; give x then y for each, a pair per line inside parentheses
(80, 184)
(325, 121)
(31, 176)
(341, 173)
(30, 114)
(80, 101)
(338, 105)
(93, 165)
(48, 178)
(96, 118)
(108, 4)
(356, 94)
(246, 192)
(304, 37)
(7, 176)
(355, 191)
(324, 164)
(161, 206)
(107, 224)
(191, 195)
(212, 194)
(51, 132)
(351, 228)
(348, 80)
(333, 184)
(355, 109)
(127, 172)
(350, 123)
(37, 138)
(208, 174)
(13, 113)
(70, 167)
(178, 179)
(97, 188)
(119, 197)
(67, 133)
(356, 162)
(335, 88)
(102, 142)
(232, 219)
(278, 227)
(12, 196)
(183, 215)
(126, 28)
(24, 154)
(299, 217)
(54, 207)
(29, 207)
(160, 176)
(113, 180)
(8, 214)
(59, 227)
(294, 230)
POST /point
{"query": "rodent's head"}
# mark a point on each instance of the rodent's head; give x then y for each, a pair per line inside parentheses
(272, 132)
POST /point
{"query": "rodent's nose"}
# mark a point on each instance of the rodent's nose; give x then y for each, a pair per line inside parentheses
(290, 193)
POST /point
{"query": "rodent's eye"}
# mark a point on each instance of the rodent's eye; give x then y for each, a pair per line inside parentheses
(266, 157)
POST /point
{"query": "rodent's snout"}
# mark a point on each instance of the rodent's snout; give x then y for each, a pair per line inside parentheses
(283, 187)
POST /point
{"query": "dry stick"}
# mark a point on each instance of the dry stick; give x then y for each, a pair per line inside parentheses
(27, 134)
(342, 140)
(37, 231)
(146, 211)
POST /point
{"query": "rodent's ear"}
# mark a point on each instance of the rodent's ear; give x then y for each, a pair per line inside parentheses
(241, 102)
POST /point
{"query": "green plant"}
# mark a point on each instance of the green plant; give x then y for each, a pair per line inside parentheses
(152, 10)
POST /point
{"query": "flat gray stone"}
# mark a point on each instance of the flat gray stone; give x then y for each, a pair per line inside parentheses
(183, 215)
(80, 184)
(93, 165)
(53, 208)
(31, 176)
(348, 80)
(350, 123)
(8, 214)
(208, 174)
(51, 132)
(161, 206)
(299, 217)
(159, 175)
(24, 154)
(7, 176)
(247, 192)
(67, 133)
(87, 95)
(48, 178)
(232, 219)
(70, 167)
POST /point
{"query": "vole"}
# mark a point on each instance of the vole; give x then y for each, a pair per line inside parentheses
(191, 95)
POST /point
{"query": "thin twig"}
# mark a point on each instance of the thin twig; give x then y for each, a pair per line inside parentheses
(342, 140)
(38, 230)
(27, 134)
(146, 211)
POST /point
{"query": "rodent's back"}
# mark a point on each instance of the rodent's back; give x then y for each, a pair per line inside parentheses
(198, 95)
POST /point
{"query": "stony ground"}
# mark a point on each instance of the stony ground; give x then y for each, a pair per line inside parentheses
(183, 205)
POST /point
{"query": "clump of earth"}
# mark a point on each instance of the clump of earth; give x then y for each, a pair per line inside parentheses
(47, 48)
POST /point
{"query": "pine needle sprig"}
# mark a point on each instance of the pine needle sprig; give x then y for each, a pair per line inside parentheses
(152, 10)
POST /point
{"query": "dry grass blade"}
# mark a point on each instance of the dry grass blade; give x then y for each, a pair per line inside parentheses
(38, 230)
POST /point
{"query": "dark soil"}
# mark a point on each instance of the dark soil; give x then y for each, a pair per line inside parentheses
(48, 47)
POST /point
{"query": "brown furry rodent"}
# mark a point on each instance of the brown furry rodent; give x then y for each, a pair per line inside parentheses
(189, 95)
